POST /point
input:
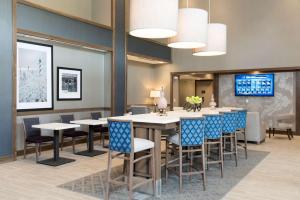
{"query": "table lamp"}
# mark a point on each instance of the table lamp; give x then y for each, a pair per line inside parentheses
(155, 94)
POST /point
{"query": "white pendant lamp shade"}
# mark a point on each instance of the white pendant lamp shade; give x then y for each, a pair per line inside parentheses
(153, 18)
(216, 41)
(191, 29)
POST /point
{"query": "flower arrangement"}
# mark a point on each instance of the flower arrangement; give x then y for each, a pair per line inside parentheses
(162, 103)
(193, 103)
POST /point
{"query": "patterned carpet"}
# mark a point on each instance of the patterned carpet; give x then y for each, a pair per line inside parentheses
(93, 184)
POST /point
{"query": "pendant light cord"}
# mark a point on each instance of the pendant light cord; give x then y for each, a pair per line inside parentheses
(209, 11)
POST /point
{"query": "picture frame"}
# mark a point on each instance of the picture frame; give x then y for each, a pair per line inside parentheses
(34, 74)
(69, 84)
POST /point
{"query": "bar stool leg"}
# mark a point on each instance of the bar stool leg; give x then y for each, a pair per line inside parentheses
(153, 171)
(167, 160)
(235, 149)
(203, 167)
(221, 156)
(108, 175)
(245, 144)
(130, 176)
(180, 169)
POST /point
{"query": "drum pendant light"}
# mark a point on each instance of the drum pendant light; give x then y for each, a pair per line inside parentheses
(191, 29)
(153, 18)
(216, 40)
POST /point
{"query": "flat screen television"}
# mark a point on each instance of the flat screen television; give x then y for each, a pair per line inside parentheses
(261, 85)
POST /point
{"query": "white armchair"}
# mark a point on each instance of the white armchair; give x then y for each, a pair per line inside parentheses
(283, 122)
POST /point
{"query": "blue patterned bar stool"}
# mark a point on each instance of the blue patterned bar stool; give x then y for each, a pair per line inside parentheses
(241, 128)
(229, 132)
(189, 140)
(213, 136)
(123, 143)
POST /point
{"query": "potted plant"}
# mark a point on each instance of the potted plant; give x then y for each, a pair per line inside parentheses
(193, 103)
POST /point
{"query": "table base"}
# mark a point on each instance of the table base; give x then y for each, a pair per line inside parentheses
(91, 153)
(58, 162)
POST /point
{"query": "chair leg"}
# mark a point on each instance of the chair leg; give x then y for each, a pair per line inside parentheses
(221, 157)
(153, 171)
(40, 149)
(108, 175)
(87, 142)
(180, 169)
(130, 176)
(37, 152)
(62, 143)
(273, 131)
(291, 133)
(270, 130)
(288, 133)
(25, 148)
(167, 160)
(235, 150)
(203, 167)
(73, 144)
(103, 139)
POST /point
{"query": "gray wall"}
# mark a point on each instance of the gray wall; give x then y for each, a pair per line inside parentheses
(6, 62)
(140, 81)
(95, 85)
(283, 101)
(261, 34)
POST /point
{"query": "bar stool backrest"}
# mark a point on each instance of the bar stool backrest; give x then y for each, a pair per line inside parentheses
(66, 119)
(241, 119)
(213, 126)
(96, 115)
(120, 135)
(192, 131)
(28, 130)
(230, 122)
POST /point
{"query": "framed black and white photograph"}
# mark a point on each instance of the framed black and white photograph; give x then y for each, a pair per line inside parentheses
(69, 85)
(34, 76)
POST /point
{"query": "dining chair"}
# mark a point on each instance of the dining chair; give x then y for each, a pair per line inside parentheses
(33, 136)
(190, 140)
(71, 133)
(241, 129)
(124, 145)
(103, 130)
(229, 129)
(213, 136)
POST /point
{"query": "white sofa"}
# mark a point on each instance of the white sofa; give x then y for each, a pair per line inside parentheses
(256, 129)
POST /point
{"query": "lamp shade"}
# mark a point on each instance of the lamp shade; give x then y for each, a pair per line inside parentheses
(153, 18)
(216, 41)
(155, 93)
(191, 29)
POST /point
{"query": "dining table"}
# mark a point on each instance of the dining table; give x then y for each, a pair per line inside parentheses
(90, 152)
(56, 128)
(155, 124)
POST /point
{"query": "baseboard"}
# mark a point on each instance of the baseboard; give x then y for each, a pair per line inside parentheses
(5, 159)
(49, 147)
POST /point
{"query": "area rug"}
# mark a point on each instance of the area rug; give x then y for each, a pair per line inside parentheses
(216, 187)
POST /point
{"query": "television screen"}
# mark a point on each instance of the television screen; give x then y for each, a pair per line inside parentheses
(254, 85)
